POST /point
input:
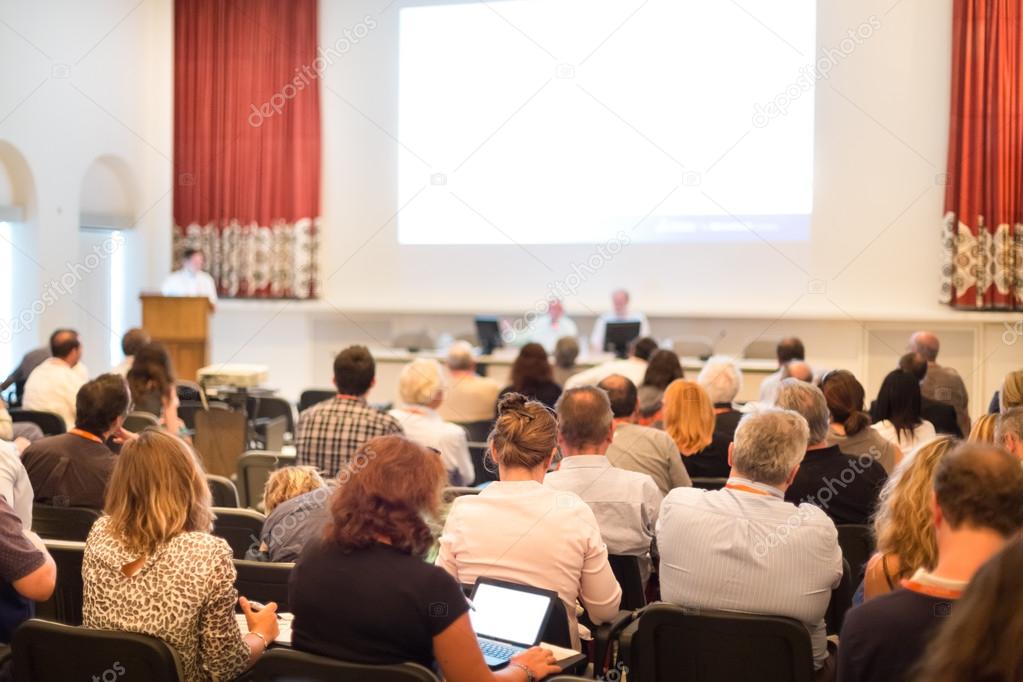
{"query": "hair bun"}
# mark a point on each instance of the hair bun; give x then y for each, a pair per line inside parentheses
(511, 402)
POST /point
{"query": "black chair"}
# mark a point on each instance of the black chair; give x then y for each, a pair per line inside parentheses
(263, 581)
(709, 483)
(53, 651)
(223, 491)
(51, 424)
(188, 391)
(477, 432)
(270, 407)
(486, 469)
(137, 422)
(841, 601)
(857, 543)
(254, 468)
(668, 643)
(281, 664)
(65, 606)
(240, 527)
(63, 523)
(453, 492)
(313, 396)
(629, 576)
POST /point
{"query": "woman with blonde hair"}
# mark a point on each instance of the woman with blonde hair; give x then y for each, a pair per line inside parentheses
(904, 523)
(689, 420)
(983, 430)
(289, 482)
(151, 565)
(294, 501)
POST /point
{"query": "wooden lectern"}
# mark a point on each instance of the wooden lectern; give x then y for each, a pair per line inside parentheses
(181, 323)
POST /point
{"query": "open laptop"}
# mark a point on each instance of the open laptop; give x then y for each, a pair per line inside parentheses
(508, 618)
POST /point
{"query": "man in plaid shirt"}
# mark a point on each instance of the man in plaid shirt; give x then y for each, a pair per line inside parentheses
(330, 432)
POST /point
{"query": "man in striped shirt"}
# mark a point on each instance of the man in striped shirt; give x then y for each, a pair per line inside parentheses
(744, 548)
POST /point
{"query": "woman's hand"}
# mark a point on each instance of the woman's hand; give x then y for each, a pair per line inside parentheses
(540, 662)
(263, 621)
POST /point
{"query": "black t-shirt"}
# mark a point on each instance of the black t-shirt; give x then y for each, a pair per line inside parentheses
(845, 487)
(882, 640)
(712, 461)
(376, 605)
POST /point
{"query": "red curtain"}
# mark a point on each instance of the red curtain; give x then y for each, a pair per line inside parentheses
(247, 142)
(983, 232)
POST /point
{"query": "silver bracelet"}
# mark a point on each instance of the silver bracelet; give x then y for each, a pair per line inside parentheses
(530, 677)
(266, 645)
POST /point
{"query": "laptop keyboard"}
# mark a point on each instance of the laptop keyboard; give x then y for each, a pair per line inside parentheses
(497, 649)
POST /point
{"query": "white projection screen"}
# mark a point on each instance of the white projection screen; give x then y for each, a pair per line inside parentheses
(573, 121)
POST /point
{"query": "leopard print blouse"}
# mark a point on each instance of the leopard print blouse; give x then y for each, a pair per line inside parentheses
(184, 594)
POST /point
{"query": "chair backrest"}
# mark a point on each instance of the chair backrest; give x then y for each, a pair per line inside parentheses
(287, 664)
(63, 523)
(477, 432)
(841, 600)
(65, 606)
(453, 492)
(672, 643)
(53, 651)
(254, 468)
(627, 571)
(486, 470)
(270, 407)
(263, 581)
(709, 483)
(220, 438)
(137, 422)
(240, 527)
(312, 396)
(857, 543)
(223, 491)
(50, 423)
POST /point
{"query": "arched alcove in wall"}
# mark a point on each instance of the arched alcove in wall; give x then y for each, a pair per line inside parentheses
(19, 265)
(109, 195)
(17, 191)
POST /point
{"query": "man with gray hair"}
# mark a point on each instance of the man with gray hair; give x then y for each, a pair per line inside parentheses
(845, 487)
(1009, 431)
(744, 548)
(941, 383)
(468, 397)
(625, 503)
(721, 378)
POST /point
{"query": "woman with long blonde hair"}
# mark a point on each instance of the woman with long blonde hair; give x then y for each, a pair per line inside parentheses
(689, 420)
(151, 565)
(903, 524)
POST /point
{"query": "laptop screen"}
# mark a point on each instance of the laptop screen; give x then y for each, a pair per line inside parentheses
(508, 614)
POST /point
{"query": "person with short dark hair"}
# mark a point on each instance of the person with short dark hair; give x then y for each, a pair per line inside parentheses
(641, 448)
(132, 341)
(566, 352)
(53, 385)
(72, 469)
(789, 349)
(977, 507)
(533, 376)
(191, 280)
(329, 433)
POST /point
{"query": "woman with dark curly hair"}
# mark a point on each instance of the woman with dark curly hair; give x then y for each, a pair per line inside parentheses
(533, 376)
(363, 592)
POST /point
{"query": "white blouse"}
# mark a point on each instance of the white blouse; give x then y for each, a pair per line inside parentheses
(923, 433)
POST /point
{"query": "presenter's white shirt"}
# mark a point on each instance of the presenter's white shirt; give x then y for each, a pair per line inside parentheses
(600, 328)
(187, 283)
(53, 387)
(544, 331)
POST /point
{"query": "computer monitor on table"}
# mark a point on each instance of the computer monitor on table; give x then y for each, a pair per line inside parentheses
(488, 331)
(618, 336)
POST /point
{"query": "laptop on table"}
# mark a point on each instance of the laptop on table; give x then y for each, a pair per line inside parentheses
(508, 618)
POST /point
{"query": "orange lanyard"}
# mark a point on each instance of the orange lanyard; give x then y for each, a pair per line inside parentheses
(86, 435)
(746, 489)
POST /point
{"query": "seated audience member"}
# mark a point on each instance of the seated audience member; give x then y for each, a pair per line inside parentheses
(1009, 431)
(651, 407)
(942, 384)
(543, 328)
(566, 352)
(151, 565)
(845, 487)
(734, 549)
(1011, 393)
(15, 485)
(662, 369)
(983, 430)
(689, 420)
(620, 313)
(942, 415)
(641, 448)
(625, 503)
(798, 370)
(19, 376)
(421, 389)
(18, 433)
(533, 376)
(468, 396)
(131, 342)
(977, 506)
(787, 350)
(518, 529)
(151, 381)
(329, 433)
(72, 469)
(898, 412)
(850, 425)
(980, 640)
(27, 572)
(634, 367)
(721, 378)
(294, 523)
(902, 523)
(362, 592)
(282, 537)
(53, 385)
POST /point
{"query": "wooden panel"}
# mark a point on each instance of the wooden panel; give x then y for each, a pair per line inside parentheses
(182, 325)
